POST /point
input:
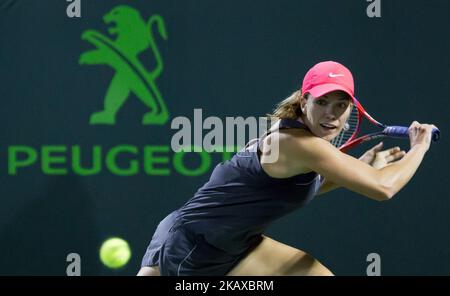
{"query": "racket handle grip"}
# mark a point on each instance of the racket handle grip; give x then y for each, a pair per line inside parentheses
(402, 132)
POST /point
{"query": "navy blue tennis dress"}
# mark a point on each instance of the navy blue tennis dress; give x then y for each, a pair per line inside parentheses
(227, 216)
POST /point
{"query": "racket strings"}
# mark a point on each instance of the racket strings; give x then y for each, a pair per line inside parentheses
(348, 130)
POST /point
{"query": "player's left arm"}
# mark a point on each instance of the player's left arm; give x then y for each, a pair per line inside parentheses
(374, 157)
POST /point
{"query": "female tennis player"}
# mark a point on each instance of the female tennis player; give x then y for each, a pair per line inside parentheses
(220, 231)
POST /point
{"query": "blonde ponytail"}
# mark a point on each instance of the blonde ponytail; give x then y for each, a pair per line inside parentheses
(288, 108)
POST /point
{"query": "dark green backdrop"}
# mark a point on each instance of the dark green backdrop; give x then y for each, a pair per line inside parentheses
(230, 58)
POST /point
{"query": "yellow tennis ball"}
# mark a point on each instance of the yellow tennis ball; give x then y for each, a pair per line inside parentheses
(115, 252)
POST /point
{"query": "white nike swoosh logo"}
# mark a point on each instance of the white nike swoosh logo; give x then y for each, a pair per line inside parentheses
(332, 75)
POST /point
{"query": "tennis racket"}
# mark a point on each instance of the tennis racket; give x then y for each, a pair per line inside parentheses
(347, 138)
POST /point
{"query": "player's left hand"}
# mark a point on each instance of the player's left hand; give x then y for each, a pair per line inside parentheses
(379, 159)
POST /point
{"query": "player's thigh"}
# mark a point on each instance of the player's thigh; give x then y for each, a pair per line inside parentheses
(271, 257)
(149, 271)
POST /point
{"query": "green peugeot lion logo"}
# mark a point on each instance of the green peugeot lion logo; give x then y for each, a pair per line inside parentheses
(134, 36)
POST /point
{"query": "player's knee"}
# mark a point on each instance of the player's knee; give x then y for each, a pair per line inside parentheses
(309, 266)
(318, 269)
(149, 271)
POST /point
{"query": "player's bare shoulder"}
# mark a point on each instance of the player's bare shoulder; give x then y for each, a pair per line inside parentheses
(288, 161)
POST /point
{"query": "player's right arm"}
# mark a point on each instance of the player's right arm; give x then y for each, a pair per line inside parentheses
(305, 150)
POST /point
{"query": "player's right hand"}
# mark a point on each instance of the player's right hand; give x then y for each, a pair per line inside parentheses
(420, 134)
